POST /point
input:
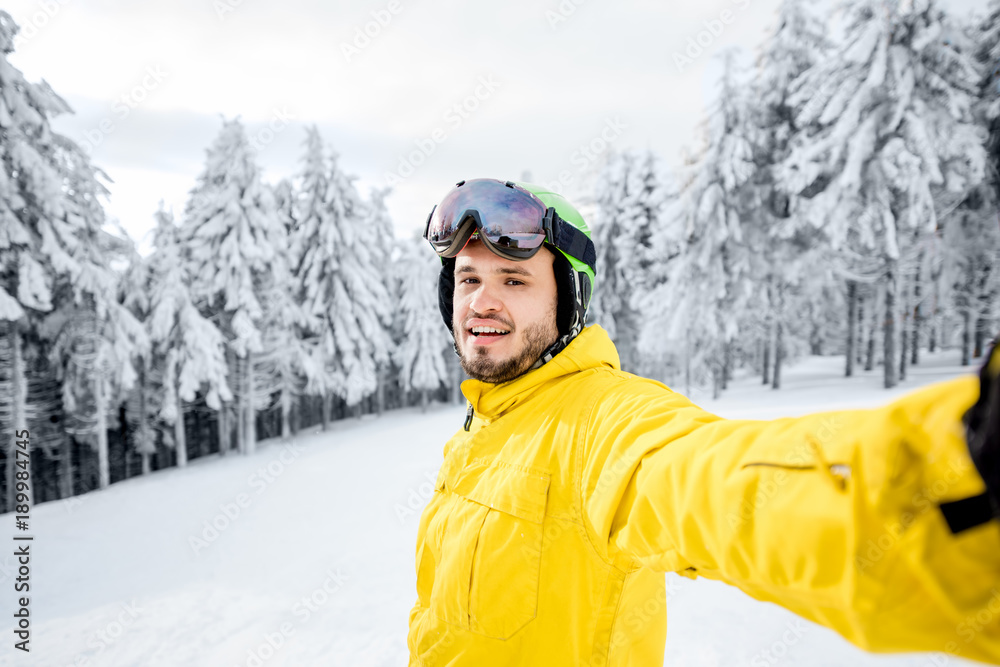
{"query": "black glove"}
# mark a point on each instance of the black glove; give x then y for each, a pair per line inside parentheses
(982, 434)
(982, 426)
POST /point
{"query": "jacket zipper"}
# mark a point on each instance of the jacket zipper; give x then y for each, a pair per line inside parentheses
(468, 417)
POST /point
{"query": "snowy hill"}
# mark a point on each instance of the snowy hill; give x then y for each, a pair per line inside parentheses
(302, 554)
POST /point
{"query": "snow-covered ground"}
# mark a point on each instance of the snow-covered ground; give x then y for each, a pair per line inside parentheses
(303, 553)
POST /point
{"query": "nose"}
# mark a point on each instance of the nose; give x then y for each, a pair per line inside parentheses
(485, 299)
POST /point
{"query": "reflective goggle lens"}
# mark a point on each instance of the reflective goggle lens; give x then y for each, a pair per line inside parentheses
(508, 217)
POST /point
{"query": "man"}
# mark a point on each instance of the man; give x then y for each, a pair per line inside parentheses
(574, 486)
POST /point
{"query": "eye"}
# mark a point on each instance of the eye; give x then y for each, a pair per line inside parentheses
(469, 281)
(515, 281)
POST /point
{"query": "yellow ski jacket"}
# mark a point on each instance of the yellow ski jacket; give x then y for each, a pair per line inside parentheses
(577, 486)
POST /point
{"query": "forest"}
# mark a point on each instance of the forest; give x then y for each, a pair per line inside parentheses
(843, 200)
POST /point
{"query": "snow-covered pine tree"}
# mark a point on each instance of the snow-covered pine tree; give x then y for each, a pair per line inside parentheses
(700, 295)
(988, 55)
(633, 193)
(232, 238)
(141, 405)
(188, 350)
(986, 40)
(775, 238)
(886, 124)
(96, 341)
(383, 244)
(609, 303)
(29, 200)
(54, 260)
(341, 287)
(284, 366)
(423, 343)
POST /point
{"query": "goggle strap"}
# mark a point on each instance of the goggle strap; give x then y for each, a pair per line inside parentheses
(573, 242)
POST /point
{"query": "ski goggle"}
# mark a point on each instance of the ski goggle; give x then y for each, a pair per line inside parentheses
(512, 222)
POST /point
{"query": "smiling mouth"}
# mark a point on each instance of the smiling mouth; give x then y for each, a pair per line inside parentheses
(488, 332)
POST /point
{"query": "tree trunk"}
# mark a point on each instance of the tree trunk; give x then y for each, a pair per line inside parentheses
(766, 375)
(180, 439)
(860, 335)
(870, 348)
(852, 322)
(889, 327)
(726, 362)
(241, 407)
(222, 424)
(904, 335)
(932, 336)
(18, 416)
(66, 467)
(142, 429)
(101, 408)
(918, 313)
(251, 411)
(423, 400)
(779, 353)
(380, 391)
(979, 338)
(326, 410)
(966, 337)
(687, 362)
(286, 414)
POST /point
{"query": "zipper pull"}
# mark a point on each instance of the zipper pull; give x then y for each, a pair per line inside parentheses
(468, 417)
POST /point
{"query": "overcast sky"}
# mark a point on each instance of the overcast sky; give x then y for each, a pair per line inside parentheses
(441, 90)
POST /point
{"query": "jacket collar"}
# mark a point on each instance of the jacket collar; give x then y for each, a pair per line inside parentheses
(591, 349)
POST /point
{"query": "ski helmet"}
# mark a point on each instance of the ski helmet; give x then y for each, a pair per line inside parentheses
(575, 277)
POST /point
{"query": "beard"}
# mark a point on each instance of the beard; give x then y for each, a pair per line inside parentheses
(481, 366)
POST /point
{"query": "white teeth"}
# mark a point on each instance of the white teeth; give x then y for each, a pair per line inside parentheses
(482, 330)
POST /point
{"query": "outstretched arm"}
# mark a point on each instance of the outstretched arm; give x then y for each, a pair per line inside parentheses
(834, 516)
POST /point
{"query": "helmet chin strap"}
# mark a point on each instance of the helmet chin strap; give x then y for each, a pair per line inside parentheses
(576, 326)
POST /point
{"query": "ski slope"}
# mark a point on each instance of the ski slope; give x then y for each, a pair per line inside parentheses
(302, 554)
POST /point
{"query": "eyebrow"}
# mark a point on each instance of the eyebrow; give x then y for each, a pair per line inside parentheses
(516, 270)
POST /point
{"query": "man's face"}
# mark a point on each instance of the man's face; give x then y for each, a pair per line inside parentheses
(516, 299)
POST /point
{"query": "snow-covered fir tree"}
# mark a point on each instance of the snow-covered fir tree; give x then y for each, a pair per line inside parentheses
(233, 239)
(423, 342)
(341, 287)
(633, 193)
(774, 237)
(188, 350)
(380, 225)
(54, 260)
(702, 287)
(885, 126)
